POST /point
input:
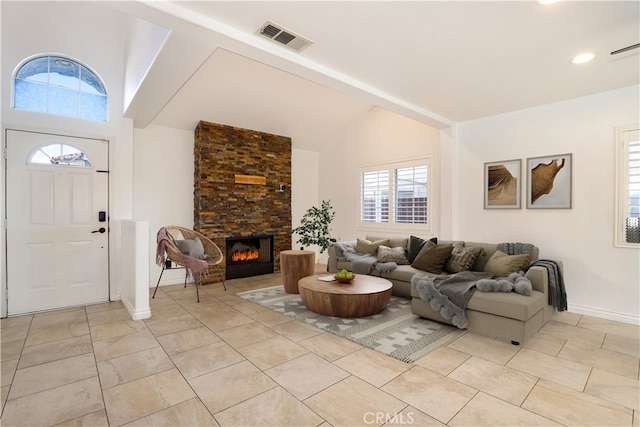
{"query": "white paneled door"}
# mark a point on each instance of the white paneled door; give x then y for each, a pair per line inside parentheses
(57, 221)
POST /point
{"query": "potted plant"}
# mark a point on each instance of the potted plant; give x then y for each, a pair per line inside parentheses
(314, 227)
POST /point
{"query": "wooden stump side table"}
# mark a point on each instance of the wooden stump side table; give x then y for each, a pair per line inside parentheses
(294, 265)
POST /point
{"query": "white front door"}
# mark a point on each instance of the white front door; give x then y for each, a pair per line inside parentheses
(57, 221)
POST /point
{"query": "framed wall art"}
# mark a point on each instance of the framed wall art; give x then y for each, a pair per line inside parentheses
(549, 182)
(502, 184)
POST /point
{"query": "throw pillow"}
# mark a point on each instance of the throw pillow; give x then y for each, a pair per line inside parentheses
(501, 264)
(416, 244)
(462, 258)
(432, 259)
(387, 254)
(191, 247)
(364, 246)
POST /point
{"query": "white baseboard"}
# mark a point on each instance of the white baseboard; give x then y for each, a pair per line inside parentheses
(604, 314)
(139, 314)
(170, 282)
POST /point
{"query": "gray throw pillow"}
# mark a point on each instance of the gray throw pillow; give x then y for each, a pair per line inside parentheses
(387, 254)
(191, 247)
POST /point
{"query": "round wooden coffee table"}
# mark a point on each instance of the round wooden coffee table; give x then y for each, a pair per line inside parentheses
(363, 296)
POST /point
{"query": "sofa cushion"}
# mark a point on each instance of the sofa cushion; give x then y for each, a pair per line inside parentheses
(462, 258)
(364, 246)
(501, 264)
(403, 273)
(416, 244)
(432, 259)
(397, 255)
(511, 305)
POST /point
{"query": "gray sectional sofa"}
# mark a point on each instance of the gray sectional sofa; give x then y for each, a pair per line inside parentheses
(509, 316)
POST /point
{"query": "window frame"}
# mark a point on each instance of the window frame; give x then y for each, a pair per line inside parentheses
(49, 86)
(391, 225)
(622, 140)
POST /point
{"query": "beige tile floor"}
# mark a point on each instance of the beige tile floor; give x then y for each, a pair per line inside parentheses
(229, 362)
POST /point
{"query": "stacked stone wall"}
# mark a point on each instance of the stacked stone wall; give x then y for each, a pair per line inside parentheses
(225, 208)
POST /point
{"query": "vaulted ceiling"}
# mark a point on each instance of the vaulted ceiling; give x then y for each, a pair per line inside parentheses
(438, 62)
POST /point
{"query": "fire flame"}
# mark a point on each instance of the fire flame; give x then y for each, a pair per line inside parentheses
(246, 255)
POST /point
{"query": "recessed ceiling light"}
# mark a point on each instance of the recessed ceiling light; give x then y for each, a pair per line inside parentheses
(545, 2)
(582, 58)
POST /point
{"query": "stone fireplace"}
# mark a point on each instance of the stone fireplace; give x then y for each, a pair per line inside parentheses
(242, 187)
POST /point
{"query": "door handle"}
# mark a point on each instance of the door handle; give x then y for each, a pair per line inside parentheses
(99, 230)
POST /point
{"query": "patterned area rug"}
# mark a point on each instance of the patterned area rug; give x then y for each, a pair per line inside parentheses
(395, 331)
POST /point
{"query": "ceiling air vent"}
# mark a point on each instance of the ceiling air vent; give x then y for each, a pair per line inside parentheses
(279, 34)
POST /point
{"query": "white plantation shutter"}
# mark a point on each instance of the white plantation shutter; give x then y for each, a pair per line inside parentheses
(632, 221)
(374, 196)
(410, 195)
(628, 186)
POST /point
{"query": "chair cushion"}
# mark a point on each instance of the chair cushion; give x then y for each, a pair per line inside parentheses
(191, 247)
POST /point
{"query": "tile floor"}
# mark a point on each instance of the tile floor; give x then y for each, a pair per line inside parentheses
(229, 362)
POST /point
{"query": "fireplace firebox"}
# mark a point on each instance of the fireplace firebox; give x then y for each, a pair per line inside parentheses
(248, 256)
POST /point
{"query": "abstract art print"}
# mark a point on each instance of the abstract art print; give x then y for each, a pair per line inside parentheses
(502, 184)
(549, 182)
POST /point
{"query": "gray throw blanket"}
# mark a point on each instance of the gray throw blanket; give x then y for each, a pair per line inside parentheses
(342, 247)
(361, 263)
(449, 295)
(557, 293)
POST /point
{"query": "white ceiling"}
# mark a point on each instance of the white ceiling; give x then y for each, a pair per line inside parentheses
(437, 62)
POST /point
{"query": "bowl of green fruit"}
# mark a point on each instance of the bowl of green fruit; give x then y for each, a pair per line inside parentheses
(344, 276)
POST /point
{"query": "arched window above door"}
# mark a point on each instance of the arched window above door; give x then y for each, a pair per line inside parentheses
(57, 85)
(58, 154)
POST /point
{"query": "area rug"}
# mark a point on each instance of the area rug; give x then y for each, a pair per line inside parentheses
(395, 331)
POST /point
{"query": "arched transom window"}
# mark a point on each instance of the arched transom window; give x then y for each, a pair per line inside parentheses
(62, 86)
(58, 154)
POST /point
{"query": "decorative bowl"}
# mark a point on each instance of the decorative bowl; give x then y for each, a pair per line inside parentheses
(344, 279)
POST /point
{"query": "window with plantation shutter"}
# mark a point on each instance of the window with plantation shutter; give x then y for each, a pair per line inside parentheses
(410, 191)
(395, 195)
(374, 196)
(628, 186)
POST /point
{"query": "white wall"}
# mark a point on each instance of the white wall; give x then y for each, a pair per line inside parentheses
(77, 30)
(163, 187)
(379, 136)
(601, 280)
(305, 191)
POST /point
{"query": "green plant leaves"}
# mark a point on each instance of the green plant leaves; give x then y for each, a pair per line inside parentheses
(314, 226)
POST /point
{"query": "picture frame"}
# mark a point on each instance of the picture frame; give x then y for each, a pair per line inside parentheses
(502, 184)
(549, 182)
